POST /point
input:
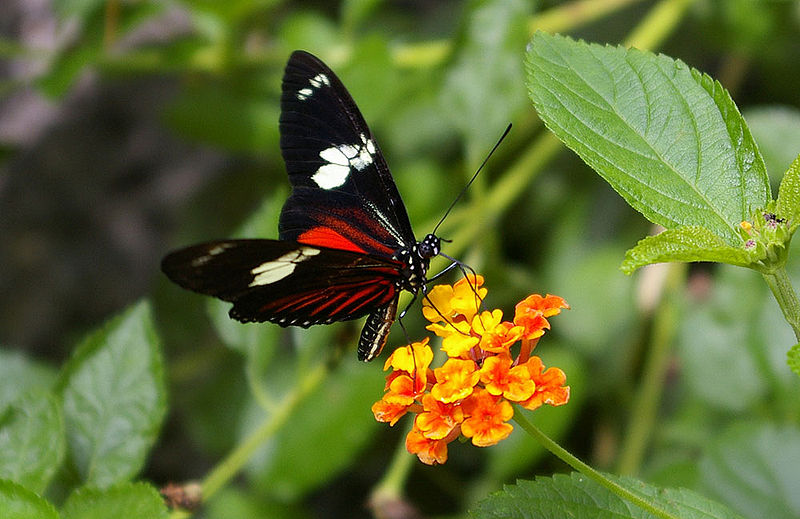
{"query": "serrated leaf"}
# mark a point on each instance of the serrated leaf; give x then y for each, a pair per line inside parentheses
(753, 468)
(793, 359)
(17, 502)
(19, 374)
(577, 496)
(788, 203)
(667, 138)
(31, 440)
(684, 244)
(114, 398)
(128, 500)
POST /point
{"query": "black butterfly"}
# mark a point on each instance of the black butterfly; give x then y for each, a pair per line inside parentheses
(346, 246)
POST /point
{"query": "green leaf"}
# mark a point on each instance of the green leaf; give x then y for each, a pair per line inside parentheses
(788, 203)
(793, 359)
(668, 139)
(19, 374)
(753, 468)
(577, 496)
(128, 500)
(114, 398)
(484, 87)
(31, 440)
(17, 502)
(684, 244)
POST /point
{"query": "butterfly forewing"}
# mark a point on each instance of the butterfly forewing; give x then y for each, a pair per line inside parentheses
(343, 194)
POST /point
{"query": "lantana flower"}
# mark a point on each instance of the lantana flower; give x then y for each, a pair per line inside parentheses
(472, 392)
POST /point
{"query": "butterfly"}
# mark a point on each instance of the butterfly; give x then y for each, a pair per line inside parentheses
(346, 247)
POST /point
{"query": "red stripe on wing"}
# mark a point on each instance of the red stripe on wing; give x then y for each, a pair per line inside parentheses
(335, 303)
(327, 237)
(347, 229)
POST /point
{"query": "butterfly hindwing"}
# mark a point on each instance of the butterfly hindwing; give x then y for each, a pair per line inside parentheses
(343, 195)
(284, 282)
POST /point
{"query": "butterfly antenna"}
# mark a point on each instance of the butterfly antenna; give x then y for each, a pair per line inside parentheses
(464, 190)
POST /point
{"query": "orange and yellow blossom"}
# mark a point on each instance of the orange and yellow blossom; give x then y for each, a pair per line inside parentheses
(455, 380)
(470, 395)
(513, 383)
(488, 417)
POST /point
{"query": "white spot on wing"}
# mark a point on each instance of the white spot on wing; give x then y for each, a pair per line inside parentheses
(319, 80)
(330, 176)
(335, 155)
(277, 269)
(339, 161)
(316, 82)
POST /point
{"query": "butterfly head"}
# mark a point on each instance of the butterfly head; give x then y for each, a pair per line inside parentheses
(429, 247)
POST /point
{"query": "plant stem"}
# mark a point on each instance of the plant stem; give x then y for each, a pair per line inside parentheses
(781, 286)
(565, 456)
(233, 463)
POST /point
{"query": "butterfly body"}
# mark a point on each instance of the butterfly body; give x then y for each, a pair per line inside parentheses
(346, 247)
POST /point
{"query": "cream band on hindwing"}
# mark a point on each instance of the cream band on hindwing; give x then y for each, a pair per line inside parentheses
(277, 269)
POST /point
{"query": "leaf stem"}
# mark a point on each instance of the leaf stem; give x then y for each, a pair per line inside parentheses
(565, 456)
(781, 286)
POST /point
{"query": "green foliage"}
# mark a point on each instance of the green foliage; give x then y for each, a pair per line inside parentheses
(438, 82)
(32, 440)
(769, 489)
(577, 496)
(129, 500)
(788, 203)
(635, 116)
(689, 243)
(17, 502)
(110, 404)
(114, 398)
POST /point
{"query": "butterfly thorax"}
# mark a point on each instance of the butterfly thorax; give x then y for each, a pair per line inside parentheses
(417, 259)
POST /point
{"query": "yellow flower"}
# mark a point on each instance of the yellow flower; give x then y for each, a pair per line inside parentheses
(427, 450)
(499, 378)
(455, 380)
(438, 419)
(488, 417)
(472, 392)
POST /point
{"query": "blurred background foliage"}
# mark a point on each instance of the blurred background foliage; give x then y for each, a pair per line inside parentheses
(128, 128)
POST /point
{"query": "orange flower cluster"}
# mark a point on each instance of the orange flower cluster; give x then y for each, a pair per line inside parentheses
(471, 393)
